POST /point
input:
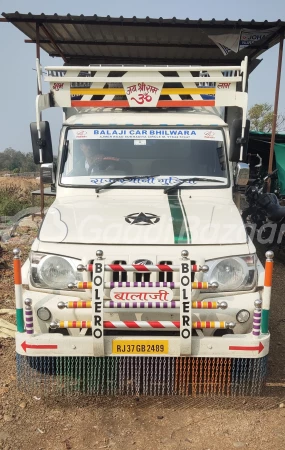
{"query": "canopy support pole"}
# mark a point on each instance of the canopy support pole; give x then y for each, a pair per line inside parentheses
(275, 112)
(38, 55)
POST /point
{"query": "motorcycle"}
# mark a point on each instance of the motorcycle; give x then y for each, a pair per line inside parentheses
(264, 217)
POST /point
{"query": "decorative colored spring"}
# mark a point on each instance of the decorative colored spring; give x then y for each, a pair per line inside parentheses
(209, 305)
(140, 324)
(266, 297)
(126, 304)
(75, 304)
(89, 284)
(256, 318)
(71, 324)
(153, 305)
(29, 316)
(18, 291)
(141, 284)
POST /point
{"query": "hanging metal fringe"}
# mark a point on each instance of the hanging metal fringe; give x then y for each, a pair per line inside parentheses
(136, 376)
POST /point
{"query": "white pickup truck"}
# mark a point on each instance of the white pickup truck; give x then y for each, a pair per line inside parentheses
(142, 278)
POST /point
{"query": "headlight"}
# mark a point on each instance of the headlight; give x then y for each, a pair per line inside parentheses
(52, 271)
(235, 273)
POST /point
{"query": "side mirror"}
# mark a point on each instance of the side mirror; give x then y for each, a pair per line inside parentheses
(44, 143)
(242, 174)
(236, 140)
(47, 173)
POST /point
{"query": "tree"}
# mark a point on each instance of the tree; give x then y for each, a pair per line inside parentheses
(261, 118)
(13, 160)
(29, 165)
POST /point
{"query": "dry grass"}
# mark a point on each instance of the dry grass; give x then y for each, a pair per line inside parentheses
(22, 186)
(15, 194)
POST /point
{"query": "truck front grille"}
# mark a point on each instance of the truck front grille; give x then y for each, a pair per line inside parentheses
(142, 276)
(119, 276)
(165, 276)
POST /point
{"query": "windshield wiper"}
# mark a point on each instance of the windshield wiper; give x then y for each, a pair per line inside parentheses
(133, 177)
(212, 180)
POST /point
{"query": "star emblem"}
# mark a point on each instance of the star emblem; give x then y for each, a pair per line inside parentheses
(142, 219)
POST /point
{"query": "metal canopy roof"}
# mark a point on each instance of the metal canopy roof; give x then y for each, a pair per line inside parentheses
(83, 40)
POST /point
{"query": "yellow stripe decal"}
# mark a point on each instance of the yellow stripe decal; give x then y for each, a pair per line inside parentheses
(119, 91)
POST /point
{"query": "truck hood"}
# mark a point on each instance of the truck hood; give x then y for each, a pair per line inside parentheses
(143, 220)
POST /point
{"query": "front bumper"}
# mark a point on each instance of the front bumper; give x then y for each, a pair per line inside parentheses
(43, 342)
(229, 346)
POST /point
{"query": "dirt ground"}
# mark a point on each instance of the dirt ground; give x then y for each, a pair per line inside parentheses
(28, 422)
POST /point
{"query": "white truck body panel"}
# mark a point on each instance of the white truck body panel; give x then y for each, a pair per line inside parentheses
(100, 219)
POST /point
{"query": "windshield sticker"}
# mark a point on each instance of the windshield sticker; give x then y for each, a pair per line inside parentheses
(210, 134)
(156, 133)
(143, 182)
(81, 134)
(164, 181)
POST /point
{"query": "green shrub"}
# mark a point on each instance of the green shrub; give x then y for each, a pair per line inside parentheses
(15, 195)
(10, 206)
(12, 201)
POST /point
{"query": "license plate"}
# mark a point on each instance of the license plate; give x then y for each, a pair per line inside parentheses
(139, 347)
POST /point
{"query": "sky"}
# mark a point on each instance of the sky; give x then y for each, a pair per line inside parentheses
(18, 78)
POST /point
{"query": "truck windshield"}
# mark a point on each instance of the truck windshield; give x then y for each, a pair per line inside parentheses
(98, 156)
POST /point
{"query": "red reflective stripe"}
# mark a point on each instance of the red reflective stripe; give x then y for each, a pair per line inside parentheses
(116, 267)
(83, 304)
(140, 268)
(125, 103)
(89, 267)
(208, 324)
(108, 324)
(131, 324)
(210, 305)
(155, 324)
(165, 268)
(199, 304)
(198, 325)
(83, 323)
(194, 268)
(74, 304)
(73, 324)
